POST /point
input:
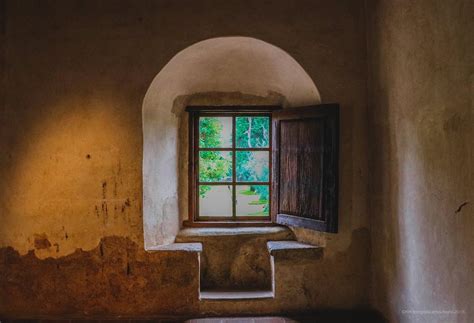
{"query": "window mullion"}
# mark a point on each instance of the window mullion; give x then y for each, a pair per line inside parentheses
(234, 176)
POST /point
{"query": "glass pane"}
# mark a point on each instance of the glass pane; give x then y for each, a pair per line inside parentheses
(252, 166)
(252, 200)
(215, 166)
(215, 200)
(215, 132)
(252, 132)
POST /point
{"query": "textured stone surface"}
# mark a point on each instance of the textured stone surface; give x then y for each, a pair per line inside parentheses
(234, 295)
(243, 320)
(308, 284)
(354, 316)
(116, 278)
(422, 188)
(188, 247)
(294, 250)
(319, 317)
(276, 232)
(235, 258)
(119, 278)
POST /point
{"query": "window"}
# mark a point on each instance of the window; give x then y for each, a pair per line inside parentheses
(263, 164)
(232, 161)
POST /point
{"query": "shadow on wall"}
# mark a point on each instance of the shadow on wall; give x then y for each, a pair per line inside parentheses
(422, 234)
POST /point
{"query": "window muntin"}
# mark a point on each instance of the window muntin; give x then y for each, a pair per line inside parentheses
(302, 172)
(233, 166)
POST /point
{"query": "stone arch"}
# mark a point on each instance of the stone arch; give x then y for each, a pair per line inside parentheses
(217, 71)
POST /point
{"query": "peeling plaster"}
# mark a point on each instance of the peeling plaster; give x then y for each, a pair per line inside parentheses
(73, 83)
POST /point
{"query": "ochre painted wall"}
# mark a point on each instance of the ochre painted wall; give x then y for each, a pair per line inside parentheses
(74, 77)
(421, 139)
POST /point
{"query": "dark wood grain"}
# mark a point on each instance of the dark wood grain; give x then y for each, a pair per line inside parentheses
(310, 163)
(305, 167)
(289, 179)
(233, 109)
(192, 164)
(298, 221)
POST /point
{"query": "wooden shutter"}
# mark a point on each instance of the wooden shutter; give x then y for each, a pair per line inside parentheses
(305, 167)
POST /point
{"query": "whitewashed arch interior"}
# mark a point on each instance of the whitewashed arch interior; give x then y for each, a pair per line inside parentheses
(217, 71)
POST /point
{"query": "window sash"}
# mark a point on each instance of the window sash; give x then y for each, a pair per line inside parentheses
(194, 166)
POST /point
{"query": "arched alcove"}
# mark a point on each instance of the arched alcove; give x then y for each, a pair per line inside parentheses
(218, 71)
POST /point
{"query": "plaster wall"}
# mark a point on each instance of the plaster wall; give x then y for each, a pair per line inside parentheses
(421, 188)
(75, 75)
(223, 70)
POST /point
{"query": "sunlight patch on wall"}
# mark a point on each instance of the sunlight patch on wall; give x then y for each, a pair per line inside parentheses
(67, 188)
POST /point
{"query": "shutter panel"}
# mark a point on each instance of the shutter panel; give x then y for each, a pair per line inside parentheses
(305, 167)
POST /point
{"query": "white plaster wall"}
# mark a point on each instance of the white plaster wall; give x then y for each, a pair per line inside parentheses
(422, 160)
(226, 70)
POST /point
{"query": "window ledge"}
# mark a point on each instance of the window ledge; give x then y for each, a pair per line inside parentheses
(294, 249)
(235, 295)
(185, 247)
(279, 232)
(228, 224)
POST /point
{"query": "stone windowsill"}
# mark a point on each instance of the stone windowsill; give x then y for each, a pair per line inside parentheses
(279, 232)
(294, 249)
(185, 247)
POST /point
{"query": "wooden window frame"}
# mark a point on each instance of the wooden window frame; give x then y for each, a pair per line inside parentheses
(193, 174)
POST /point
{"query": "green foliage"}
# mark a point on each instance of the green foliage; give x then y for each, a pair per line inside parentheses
(252, 132)
(215, 166)
(210, 130)
(258, 202)
(264, 192)
(203, 189)
(247, 192)
(252, 166)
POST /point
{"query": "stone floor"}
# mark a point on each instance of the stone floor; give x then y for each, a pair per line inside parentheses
(323, 317)
(244, 320)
